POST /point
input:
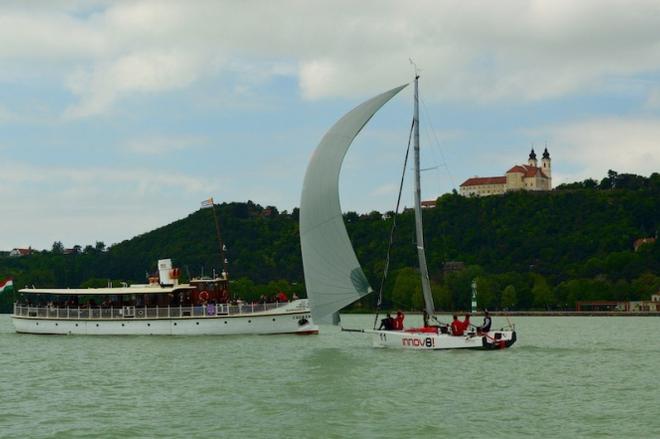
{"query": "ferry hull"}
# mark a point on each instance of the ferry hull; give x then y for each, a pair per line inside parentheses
(189, 326)
(289, 323)
(431, 341)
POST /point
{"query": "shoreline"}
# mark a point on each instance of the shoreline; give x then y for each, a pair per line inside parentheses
(575, 313)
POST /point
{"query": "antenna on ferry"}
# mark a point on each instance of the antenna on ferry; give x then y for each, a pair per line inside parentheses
(223, 259)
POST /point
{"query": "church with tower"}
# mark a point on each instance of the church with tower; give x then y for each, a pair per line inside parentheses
(529, 177)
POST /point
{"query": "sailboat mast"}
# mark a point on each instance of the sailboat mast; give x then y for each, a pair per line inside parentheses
(419, 233)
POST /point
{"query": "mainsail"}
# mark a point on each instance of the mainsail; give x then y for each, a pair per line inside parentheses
(333, 276)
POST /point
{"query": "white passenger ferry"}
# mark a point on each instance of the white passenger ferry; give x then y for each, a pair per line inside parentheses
(161, 307)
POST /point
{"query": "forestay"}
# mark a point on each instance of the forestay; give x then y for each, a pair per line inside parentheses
(333, 276)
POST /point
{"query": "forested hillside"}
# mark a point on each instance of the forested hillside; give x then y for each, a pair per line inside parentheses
(526, 250)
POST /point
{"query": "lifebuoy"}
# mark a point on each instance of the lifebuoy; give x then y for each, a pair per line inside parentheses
(204, 295)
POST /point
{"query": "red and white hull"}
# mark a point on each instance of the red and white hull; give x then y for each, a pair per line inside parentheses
(431, 340)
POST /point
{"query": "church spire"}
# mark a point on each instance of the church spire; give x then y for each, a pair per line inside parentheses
(532, 159)
(547, 166)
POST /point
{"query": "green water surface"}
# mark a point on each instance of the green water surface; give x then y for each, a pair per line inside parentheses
(566, 377)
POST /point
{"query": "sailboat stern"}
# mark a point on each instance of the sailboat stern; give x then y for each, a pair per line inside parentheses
(499, 339)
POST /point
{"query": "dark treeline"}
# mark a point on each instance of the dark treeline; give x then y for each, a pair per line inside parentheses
(526, 250)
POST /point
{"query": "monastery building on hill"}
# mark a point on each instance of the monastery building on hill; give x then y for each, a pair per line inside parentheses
(529, 177)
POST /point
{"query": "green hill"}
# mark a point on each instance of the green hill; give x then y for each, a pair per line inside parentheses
(527, 250)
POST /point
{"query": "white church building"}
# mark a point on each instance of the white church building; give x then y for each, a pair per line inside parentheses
(529, 177)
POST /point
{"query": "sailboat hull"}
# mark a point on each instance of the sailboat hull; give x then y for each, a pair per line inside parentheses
(492, 340)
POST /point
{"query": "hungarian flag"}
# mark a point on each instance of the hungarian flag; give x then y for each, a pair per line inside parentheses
(6, 285)
(207, 203)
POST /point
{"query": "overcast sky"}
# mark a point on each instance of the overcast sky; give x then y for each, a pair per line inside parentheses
(120, 117)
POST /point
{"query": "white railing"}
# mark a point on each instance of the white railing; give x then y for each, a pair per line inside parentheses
(144, 312)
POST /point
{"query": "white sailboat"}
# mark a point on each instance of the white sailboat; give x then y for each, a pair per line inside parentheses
(333, 275)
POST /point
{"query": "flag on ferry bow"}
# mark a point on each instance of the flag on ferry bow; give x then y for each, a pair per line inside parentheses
(6, 284)
(207, 203)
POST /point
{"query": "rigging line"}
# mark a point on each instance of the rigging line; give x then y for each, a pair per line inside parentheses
(437, 141)
(396, 211)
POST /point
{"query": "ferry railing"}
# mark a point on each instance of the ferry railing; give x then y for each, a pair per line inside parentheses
(144, 312)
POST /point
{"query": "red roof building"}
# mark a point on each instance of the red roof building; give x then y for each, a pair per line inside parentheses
(17, 252)
(641, 241)
(530, 177)
(478, 181)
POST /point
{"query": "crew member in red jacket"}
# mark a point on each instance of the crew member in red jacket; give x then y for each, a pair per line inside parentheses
(398, 321)
(466, 322)
(457, 327)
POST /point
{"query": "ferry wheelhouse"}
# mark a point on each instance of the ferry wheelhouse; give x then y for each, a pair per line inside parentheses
(162, 307)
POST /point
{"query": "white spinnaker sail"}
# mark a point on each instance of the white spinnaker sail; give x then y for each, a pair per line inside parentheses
(333, 276)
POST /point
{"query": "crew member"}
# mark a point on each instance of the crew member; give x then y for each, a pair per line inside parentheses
(398, 321)
(466, 322)
(456, 326)
(387, 323)
(485, 327)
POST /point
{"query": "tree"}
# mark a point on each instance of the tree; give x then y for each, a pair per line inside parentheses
(486, 292)
(509, 298)
(609, 182)
(351, 217)
(99, 246)
(542, 293)
(407, 291)
(244, 288)
(58, 247)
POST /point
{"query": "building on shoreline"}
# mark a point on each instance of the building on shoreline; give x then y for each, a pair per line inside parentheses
(642, 241)
(529, 177)
(635, 306)
(18, 252)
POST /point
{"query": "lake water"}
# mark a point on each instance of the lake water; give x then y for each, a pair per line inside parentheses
(566, 377)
